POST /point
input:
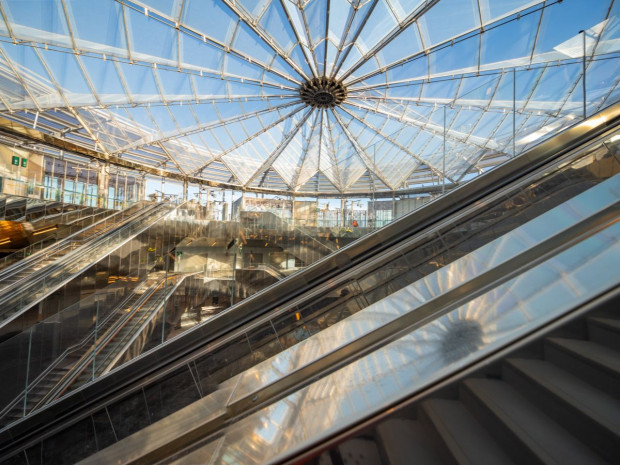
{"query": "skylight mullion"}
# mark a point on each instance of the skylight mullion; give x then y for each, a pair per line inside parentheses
(160, 87)
(68, 105)
(431, 102)
(171, 158)
(572, 90)
(261, 131)
(304, 151)
(321, 135)
(428, 48)
(535, 41)
(127, 35)
(304, 50)
(99, 126)
(21, 80)
(326, 38)
(611, 90)
(492, 96)
(206, 126)
(413, 17)
(333, 156)
(120, 127)
(88, 80)
(180, 10)
(210, 40)
(5, 103)
(396, 143)
(369, 163)
(343, 38)
(194, 90)
(124, 83)
(450, 134)
(492, 137)
(268, 40)
(534, 87)
(280, 148)
(69, 26)
(7, 23)
(458, 91)
(353, 39)
(311, 44)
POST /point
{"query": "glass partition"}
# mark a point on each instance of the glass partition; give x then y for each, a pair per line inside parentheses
(435, 349)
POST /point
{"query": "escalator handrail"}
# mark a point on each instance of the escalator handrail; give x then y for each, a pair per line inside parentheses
(37, 256)
(85, 361)
(88, 241)
(59, 360)
(33, 281)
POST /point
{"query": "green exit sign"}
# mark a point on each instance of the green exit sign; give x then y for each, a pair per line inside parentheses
(15, 161)
(24, 162)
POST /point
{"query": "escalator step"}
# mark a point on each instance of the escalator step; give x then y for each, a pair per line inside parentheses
(525, 431)
(598, 364)
(462, 436)
(588, 413)
(402, 439)
(359, 451)
(605, 331)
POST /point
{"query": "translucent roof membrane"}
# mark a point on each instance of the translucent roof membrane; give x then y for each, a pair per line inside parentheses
(310, 96)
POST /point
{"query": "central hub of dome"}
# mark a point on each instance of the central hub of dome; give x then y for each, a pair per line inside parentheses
(323, 92)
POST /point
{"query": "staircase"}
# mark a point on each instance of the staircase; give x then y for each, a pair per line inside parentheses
(555, 402)
(47, 382)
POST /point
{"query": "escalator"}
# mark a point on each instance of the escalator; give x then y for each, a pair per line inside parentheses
(553, 400)
(26, 283)
(67, 226)
(35, 261)
(510, 223)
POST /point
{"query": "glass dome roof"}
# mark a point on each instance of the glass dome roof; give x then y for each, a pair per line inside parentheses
(310, 96)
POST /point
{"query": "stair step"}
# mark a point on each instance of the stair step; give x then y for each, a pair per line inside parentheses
(586, 411)
(526, 432)
(467, 442)
(597, 364)
(605, 331)
(358, 451)
(402, 439)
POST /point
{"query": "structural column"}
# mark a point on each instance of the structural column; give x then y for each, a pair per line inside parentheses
(103, 178)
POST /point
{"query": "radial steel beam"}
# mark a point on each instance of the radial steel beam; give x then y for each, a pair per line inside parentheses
(250, 138)
(326, 39)
(431, 48)
(356, 35)
(280, 147)
(171, 135)
(172, 159)
(68, 104)
(332, 155)
(390, 36)
(305, 151)
(127, 34)
(304, 49)
(370, 164)
(456, 136)
(397, 144)
(185, 29)
(265, 37)
(311, 44)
